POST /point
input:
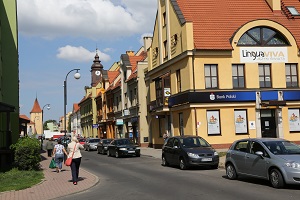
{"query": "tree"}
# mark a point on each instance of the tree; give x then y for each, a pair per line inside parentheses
(45, 127)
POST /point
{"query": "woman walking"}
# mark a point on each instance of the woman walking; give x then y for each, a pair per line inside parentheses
(74, 150)
(49, 146)
(58, 153)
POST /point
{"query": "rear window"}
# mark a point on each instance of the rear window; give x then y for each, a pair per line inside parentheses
(94, 140)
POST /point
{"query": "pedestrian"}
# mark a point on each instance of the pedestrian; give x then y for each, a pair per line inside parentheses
(166, 135)
(74, 148)
(58, 153)
(50, 146)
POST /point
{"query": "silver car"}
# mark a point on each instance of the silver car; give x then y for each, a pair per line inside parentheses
(273, 159)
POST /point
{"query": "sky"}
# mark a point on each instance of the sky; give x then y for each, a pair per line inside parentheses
(57, 36)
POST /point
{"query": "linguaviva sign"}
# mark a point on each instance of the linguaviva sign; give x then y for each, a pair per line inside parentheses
(263, 54)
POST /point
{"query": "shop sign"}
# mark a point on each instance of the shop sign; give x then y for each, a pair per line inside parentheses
(95, 125)
(263, 55)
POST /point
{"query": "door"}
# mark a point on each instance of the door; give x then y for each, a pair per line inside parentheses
(268, 123)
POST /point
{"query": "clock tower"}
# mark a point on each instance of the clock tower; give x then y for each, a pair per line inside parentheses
(96, 71)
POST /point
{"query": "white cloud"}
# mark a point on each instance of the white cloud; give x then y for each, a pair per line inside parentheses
(79, 54)
(94, 19)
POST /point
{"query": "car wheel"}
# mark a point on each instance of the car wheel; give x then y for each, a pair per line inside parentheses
(117, 154)
(276, 178)
(164, 161)
(108, 154)
(231, 172)
(182, 164)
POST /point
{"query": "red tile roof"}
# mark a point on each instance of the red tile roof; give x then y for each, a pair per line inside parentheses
(215, 22)
(36, 107)
(24, 117)
(133, 61)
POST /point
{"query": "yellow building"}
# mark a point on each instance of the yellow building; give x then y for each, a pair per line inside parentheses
(225, 70)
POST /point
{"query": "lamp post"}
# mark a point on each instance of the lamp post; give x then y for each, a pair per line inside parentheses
(76, 76)
(48, 107)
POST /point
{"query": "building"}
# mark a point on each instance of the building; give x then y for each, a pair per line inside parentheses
(9, 80)
(36, 118)
(75, 120)
(225, 70)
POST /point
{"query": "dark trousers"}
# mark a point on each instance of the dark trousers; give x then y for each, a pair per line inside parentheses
(75, 168)
(49, 152)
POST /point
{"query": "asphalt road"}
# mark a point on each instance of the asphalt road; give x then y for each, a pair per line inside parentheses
(144, 178)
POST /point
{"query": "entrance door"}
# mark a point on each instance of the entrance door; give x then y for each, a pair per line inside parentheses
(268, 123)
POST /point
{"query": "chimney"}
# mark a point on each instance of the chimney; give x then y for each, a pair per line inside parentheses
(275, 5)
(130, 53)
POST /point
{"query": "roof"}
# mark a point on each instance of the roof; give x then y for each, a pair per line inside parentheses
(133, 62)
(36, 107)
(76, 107)
(215, 22)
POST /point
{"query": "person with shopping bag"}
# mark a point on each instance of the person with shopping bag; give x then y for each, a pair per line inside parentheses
(58, 153)
(74, 148)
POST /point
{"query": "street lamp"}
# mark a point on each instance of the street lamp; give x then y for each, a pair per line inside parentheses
(48, 107)
(76, 76)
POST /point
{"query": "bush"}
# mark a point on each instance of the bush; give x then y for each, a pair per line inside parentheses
(27, 153)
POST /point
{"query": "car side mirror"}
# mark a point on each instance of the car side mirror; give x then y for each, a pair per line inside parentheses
(259, 153)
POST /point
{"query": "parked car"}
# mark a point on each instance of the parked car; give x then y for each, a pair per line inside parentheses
(91, 144)
(187, 151)
(123, 147)
(273, 159)
(81, 141)
(102, 145)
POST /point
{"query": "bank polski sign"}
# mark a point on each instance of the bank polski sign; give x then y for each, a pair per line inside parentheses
(263, 54)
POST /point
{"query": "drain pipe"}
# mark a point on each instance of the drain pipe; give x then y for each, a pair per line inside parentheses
(194, 88)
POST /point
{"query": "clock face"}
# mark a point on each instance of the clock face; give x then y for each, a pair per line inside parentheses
(97, 73)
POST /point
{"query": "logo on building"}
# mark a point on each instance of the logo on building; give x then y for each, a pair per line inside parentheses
(212, 96)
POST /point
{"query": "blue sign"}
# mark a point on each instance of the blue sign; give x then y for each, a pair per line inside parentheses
(269, 95)
(95, 125)
(291, 95)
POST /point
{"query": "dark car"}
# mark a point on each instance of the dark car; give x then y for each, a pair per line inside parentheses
(91, 144)
(273, 159)
(187, 151)
(81, 141)
(123, 147)
(102, 145)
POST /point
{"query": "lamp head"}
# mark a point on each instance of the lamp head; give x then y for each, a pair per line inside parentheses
(77, 75)
(48, 107)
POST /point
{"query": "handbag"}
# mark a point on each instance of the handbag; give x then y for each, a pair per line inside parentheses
(52, 164)
(69, 160)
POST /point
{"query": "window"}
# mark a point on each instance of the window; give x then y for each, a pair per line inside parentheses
(211, 76)
(178, 78)
(262, 36)
(159, 92)
(291, 75)
(165, 49)
(164, 22)
(264, 75)
(238, 76)
(293, 10)
(241, 146)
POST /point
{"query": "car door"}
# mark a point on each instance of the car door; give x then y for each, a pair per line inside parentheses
(176, 151)
(257, 165)
(167, 149)
(238, 155)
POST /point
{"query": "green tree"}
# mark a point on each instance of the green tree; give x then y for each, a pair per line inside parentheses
(45, 127)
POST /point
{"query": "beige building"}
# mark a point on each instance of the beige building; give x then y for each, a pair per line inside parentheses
(225, 71)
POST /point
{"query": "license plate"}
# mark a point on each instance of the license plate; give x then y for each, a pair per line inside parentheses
(206, 159)
(131, 151)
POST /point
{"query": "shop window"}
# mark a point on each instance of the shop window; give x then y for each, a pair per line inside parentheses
(211, 76)
(241, 123)
(291, 75)
(262, 36)
(264, 75)
(213, 122)
(178, 78)
(238, 76)
(159, 92)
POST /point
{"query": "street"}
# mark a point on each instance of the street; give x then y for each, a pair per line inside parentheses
(144, 178)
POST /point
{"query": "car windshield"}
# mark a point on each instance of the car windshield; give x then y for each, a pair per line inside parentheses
(106, 141)
(94, 140)
(282, 147)
(124, 142)
(193, 142)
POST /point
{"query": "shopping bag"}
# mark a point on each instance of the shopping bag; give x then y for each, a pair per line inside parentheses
(68, 161)
(52, 164)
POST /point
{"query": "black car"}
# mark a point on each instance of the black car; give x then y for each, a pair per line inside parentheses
(187, 151)
(123, 147)
(102, 145)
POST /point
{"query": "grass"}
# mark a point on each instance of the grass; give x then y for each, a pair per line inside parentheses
(19, 180)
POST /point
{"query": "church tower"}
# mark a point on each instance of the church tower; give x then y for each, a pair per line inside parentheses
(96, 71)
(36, 117)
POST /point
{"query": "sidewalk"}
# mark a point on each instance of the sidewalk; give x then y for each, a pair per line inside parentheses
(59, 184)
(54, 184)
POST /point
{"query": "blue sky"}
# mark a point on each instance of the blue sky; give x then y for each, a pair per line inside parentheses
(57, 36)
